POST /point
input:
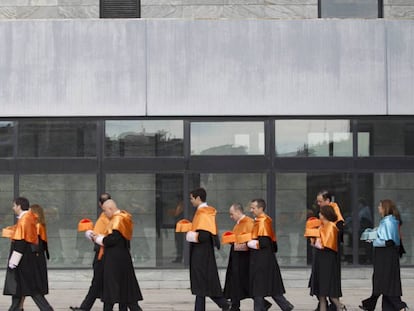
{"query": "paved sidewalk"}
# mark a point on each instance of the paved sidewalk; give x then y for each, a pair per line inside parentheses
(69, 287)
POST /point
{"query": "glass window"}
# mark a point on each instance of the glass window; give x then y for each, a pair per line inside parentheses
(385, 138)
(349, 8)
(397, 187)
(156, 204)
(56, 138)
(222, 191)
(65, 198)
(296, 201)
(134, 138)
(227, 138)
(6, 139)
(7, 217)
(313, 138)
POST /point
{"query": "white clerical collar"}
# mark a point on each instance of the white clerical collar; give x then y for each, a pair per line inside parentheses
(241, 219)
(21, 214)
(204, 204)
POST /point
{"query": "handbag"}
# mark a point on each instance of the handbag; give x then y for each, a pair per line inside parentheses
(10, 284)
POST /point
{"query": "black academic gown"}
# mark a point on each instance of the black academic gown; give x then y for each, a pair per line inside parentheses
(204, 277)
(265, 277)
(120, 284)
(42, 266)
(27, 275)
(387, 277)
(237, 276)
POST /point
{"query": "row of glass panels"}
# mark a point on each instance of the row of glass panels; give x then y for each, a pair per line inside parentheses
(156, 202)
(137, 138)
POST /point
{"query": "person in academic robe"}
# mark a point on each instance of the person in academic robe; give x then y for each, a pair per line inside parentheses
(120, 284)
(237, 284)
(324, 198)
(387, 251)
(265, 278)
(24, 276)
(325, 279)
(204, 276)
(95, 289)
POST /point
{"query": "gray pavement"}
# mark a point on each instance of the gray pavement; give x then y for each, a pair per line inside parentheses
(169, 289)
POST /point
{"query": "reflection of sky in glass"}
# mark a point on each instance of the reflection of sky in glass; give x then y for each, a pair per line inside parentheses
(349, 8)
(6, 124)
(294, 136)
(115, 129)
(227, 138)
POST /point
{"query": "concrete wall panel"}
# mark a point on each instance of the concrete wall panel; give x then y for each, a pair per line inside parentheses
(400, 51)
(264, 67)
(72, 68)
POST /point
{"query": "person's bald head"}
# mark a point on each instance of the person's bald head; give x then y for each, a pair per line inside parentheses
(236, 211)
(109, 207)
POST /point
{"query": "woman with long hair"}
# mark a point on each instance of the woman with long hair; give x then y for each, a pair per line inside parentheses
(386, 279)
(325, 279)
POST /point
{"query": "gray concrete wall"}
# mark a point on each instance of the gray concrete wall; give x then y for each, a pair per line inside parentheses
(40, 9)
(181, 67)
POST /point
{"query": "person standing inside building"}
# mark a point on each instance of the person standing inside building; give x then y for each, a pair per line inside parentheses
(237, 275)
(325, 279)
(96, 283)
(204, 276)
(23, 269)
(120, 284)
(387, 251)
(265, 277)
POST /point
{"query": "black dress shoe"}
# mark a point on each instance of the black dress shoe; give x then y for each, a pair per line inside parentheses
(227, 307)
(267, 305)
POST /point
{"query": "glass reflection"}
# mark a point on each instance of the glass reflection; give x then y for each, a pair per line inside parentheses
(227, 138)
(313, 138)
(6, 139)
(56, 138)
(7, 217)
(129, 138)
(65, 198)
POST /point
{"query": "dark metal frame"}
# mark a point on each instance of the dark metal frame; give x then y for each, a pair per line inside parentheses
(187, 165)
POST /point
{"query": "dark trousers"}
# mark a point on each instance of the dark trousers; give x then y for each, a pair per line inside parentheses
(39, 300)
(96, 285)
(392, 303)
(200, 302)
(123, 306)
(281, 301)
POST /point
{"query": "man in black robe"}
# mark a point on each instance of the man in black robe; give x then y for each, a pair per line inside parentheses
(203, 268)
(237, 275)
(120, 284)
(23, 277)
(265, 277)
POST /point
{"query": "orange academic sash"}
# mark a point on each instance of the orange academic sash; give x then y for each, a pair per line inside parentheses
(337, 211)
(26, 228)
(245, 225)
(263, 227)
(121, 222)
(205, 219)
(101, 224)
(41, 232)
(329, 236)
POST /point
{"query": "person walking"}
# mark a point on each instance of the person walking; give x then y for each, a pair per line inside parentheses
(120, 284)
(325, 279)
(265, 277)
(204, 276)
(95, 289)
(386, 279)
(237, 284)
(23, 275)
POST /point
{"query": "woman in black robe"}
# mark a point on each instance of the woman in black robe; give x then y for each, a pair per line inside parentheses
(387, 249)
(325, 279)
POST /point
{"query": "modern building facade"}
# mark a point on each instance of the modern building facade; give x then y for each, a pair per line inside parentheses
(242, 102)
